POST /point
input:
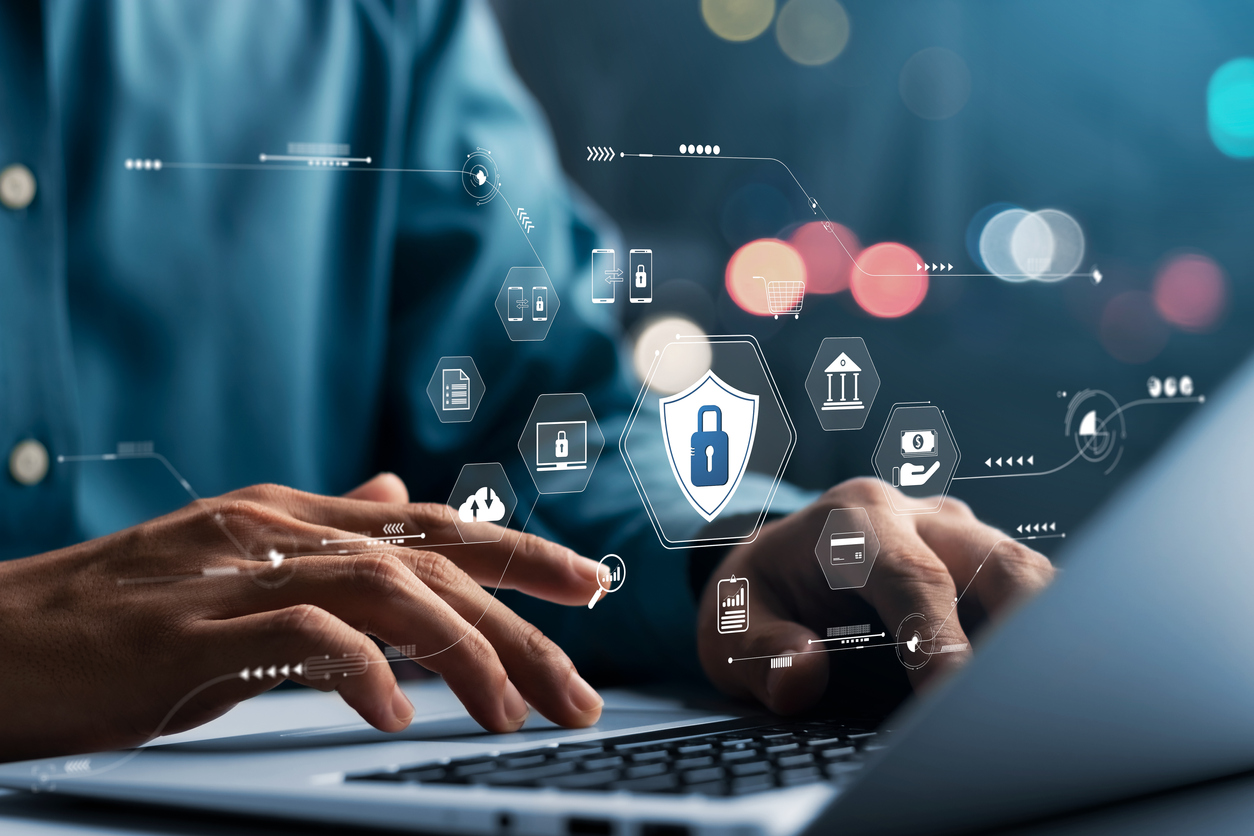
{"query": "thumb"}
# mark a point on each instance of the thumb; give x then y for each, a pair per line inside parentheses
(771, 660)
(384, 487)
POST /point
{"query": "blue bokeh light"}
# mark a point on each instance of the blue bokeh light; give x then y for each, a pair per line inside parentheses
(1230, 108)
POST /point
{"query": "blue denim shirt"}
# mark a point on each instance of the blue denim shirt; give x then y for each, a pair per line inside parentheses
(260, 324)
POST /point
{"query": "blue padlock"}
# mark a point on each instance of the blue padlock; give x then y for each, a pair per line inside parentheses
(709, 451)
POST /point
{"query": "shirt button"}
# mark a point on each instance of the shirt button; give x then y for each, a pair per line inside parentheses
(28, 462)
(17, 186)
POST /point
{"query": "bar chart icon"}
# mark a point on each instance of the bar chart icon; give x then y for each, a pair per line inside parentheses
(733, 605)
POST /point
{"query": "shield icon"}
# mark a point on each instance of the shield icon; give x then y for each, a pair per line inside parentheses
(708, 431)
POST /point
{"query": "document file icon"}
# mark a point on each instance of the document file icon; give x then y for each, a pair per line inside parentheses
(456, 390)
(733, 605)
(848, 547)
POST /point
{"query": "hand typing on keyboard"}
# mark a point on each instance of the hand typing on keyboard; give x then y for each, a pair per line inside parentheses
(166, 625)
(924, 563)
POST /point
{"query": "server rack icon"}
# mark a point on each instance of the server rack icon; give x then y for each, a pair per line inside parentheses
(733, 605)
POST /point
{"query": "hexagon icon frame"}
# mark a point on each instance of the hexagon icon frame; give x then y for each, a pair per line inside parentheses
(842, 403)
(905, 421)
(738, 361)
(447, 404)
(555, 421)
(530, 292)
(847, 548)
(471, 479)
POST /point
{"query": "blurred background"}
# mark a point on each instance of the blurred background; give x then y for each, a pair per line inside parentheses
(912, 124)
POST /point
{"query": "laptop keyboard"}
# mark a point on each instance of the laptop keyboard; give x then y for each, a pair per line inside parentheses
(714, 759)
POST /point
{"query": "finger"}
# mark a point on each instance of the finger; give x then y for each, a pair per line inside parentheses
(914, 594)
(379, 594)
(292, 637)
(384, 487)
(740, 663)
(999, 569)
(536, 566)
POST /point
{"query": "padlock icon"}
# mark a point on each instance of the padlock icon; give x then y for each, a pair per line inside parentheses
(539, 304)
(642, 278)
(709, 451)
(562, 446)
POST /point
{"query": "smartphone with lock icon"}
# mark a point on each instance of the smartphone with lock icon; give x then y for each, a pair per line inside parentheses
(539, 303)
(640, 275)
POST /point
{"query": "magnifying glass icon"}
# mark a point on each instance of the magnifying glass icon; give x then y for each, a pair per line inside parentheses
(611, 572)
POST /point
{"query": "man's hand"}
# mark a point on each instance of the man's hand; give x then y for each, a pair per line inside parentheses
(103, 639)
(923, 563)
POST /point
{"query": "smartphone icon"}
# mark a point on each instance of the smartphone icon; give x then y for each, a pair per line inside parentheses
(515, 304)
(539, 303)
(603, 276)
(640, 275)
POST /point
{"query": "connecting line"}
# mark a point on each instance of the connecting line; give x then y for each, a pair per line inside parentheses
(818, 210)
(1143, 401)
(264, 167)
(520, 227)
(847, 638)
(108, 457)
(820, 650)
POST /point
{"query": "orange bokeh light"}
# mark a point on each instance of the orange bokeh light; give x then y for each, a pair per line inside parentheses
(770, 258)
(885, 282)
(828, 250)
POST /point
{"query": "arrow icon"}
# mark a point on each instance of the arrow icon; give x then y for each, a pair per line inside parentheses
(599, 154)
(988, 462)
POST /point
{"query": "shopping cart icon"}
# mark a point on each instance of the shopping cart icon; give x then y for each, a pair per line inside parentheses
(784, 297)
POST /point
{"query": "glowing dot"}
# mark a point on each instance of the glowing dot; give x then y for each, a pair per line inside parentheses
(716, 150)
(684, 363)
(130, 163)
(367, 161)
(884, 280)
(156, 164)
(1130, 329)
(935, 83)
(737, 20)
(699, 149)
(148, 164)
(828, 250)
(812, 32)
(707, 149)
(683, 149)
(1186, 386)
(1169, 387)
(692, 149)
(1191, 292)
(1230, 108)
(768, 258)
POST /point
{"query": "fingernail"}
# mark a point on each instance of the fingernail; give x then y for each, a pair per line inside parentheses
(402, 708)
(515, 706)
(583, 696)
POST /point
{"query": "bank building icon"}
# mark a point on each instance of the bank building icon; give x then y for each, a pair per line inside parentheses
(846, 368)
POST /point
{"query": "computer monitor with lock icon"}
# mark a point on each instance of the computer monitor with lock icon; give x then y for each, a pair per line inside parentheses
(562, 445)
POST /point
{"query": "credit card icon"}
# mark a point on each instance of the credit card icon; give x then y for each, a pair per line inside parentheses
(848, 547)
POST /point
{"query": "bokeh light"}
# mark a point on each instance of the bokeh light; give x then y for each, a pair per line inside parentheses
(738, 20)
(975, 228)
(884, 280)
(755, 210)
(1191, 292)
(655, 336)
(935, 83)
(1130, 328)
(812, 32)
(828, 250)
(1230, 108)
(1017, 245)
(768, 258)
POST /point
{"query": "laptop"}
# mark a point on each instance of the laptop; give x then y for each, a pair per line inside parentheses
(1132, 674)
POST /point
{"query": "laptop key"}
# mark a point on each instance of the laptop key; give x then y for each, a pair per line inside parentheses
(781, 747)
(603, 763)
(738, 741)
(841, 769)
(701, 776)
(752, 783)
(842, 752)
(577, 752)
(655, 783)
(738, 755)
(427, 774)
(695, 748)
(789, 761)
(466, 769)
(692, 763)
(751, 768)
(526, 775)
(712, 788)
(804, 775)
(644, 770)
(523, 760)
(825, 741)
(642, 757)
(581, 780)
